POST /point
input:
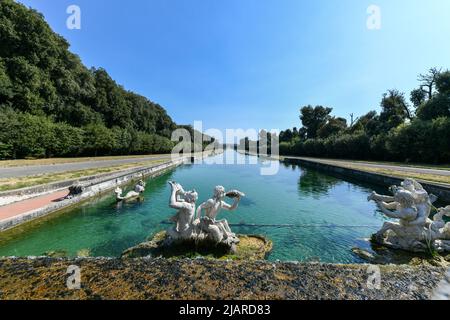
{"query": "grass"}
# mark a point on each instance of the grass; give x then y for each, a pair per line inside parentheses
(359, 165)
(50, 161)
(13, 183)
(399, 164)
(401, 174)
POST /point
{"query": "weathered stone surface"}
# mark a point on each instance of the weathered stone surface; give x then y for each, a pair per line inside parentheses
(250, 247)
(442, 292)
(100, 185)
(384, 255)
(45, 278)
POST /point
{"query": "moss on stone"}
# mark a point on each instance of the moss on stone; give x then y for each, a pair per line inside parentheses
(250, 247)
(149, 278)
(384, 255)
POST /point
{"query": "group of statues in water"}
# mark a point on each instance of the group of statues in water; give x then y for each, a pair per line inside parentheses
(410, 204)
(190, 224)
(414, 231)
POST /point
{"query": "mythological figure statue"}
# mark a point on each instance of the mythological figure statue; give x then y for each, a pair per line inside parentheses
(139, 188)
(191, 225)
(219, 230)
(184, 202)
(415, 231)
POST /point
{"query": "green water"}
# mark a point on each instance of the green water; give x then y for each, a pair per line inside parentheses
(326, 216)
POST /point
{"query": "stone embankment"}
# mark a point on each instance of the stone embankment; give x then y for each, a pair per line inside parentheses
(159, 278)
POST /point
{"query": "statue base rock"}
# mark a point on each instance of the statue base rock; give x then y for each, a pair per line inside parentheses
(250, 247)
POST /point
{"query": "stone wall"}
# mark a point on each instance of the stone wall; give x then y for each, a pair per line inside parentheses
(442, 191)
(92, 187)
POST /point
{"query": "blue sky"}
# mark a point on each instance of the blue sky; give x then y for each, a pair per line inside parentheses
(254, 63)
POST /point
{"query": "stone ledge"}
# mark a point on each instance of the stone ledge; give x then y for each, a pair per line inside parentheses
(148, 279)
(439, 189)
(94, 188)
(43, 189)
(60, 185)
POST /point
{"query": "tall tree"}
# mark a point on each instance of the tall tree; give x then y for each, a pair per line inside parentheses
(443, 82)
(313, 118)
(39, 76)
(286, 136)
(394, 109)
(417, 97)
(428, 81)
(439, 104)
(333, 126)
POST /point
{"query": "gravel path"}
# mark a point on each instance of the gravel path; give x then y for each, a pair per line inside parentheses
(199, 279)
(10, 172)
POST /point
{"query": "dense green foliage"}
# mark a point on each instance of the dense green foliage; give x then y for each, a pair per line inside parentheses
(52, 105)
(398, 133)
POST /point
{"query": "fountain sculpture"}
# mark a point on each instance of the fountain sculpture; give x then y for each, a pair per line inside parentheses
(202, 235)
(191, 225)
(132, 195)
(415, 231)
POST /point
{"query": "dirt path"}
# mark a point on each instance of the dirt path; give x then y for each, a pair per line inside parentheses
(18, 208)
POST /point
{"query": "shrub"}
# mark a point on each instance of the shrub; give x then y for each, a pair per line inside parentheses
(438, 106)
(286, 148)
(421, 141)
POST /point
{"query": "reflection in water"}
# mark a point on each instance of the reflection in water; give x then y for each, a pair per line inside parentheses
(314, 183)
(297, 225)
(159, 183)
(289, 165)
(121, 205)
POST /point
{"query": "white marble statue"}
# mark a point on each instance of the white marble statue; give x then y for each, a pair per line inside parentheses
(440, 230)
(139, 188)
(191, 225)
(218, 230)
(411, 205)
(184, 202)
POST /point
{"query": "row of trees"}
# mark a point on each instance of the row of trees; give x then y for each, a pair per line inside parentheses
(417, 130)
(24, 134)
(52, 105)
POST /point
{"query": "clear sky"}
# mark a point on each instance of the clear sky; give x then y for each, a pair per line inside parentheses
(254, 63)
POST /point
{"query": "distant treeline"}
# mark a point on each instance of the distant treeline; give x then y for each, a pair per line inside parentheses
(52, 105)
(417, 130)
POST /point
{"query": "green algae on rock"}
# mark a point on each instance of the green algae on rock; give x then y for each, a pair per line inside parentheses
(380, 254)
(250, 247)
(206, 279)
